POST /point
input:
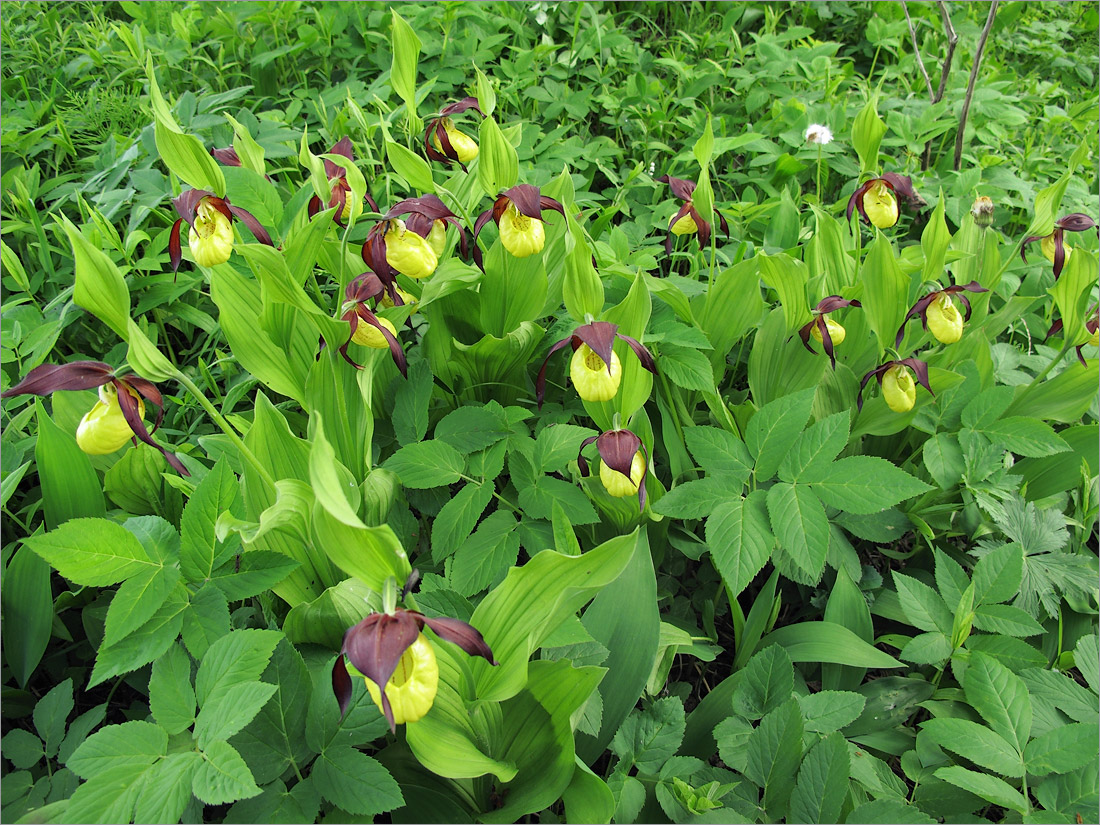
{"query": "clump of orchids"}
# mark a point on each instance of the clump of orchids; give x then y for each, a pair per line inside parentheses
(595, 369)
(877, 199)
(115, 418)
(210, 237)
(623, 463)
(397, 660)
(517, 212)
(939, 315)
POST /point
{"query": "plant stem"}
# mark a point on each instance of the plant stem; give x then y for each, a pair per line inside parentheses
(970, 85)
(226, 427)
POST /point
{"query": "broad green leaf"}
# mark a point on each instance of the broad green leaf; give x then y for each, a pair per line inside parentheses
(50, 714)
(774, 753)
(862, 484)
(427, 464)
(977, 743)
(697, 499)
(130, 745)
(171, 697)
(1000, 697)
(650, 738)
(830, 710)
(822, 782)
(410, 409)
(889, 811)
(486, 94)
(719, 452)
(70, 487)
(885, 291)
(28, 611)
(927, 649)
(588, 798)
(943, 458)
(370, 553)
(767, 683)
(733, 305)
(469, 428)
(799, 523)
(166, 788)
(186, 156)
(828, 642)
(216, 494)
(513, 290)
(687, 368)
(1006, 619)
(1072, 294)
(498, 164)
(136, 600)
(146, 643)
(1062, 750)
(997, 575)
(355, 782)
(1014, 654)
(324, 620)
(922, 605)
(867, 131)
(206, 619)
(409, 165)
(740, 540)
(229, 709)
(774, 429)
(816, 447)
(1085, 656)
(107, 797)
(1027, 437)
(405, 46)
(787, 276)
(331, 481)
(99, 286)
(933, 243)
(241, 656)
(223, 776)
(23, 748)
(488, 553)
(92, 552)
(846, 606)
(457, 518)
(1074, 794)
(988, 787)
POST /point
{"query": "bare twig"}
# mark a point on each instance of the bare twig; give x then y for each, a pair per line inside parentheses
(916, 49)
(970, 85)
(952, 41)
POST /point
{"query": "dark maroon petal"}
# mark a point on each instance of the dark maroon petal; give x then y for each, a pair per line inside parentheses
(826, 339)
(973, 286)
(148, 390)
(363, 287)
(540, 380)
(463, 105)
(903, 187)
(722, 223)
(343, 147)
(1080, 356)
(704, 226)
(341, 684)
(877, 372)
(430, 206)
(450, 154)
(680, 187)
(420, 224)
(228, 156)
(920, 369)
(600, 337)
(314, 206)
(466, 636)
(617, 449)
(1076, 222)
(526, 198)
(175, 251)
(834, 302)
(375, 646)
(919, 308)
(249, 220)
(856, 201)
(222, 205)
(338, 201)
(641, 482)
(804, 334)
(396, 350)
(129, 406)
(966, 303)
(549, 203)
(1055, 328)
(188, 202)
(1027, 240)
(479, 224)
(644, 355)
(47, 378)
(582, 462)
(1059, 253)
(429, 149)
(374, 254)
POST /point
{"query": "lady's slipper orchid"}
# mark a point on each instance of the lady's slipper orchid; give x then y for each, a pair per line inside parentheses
(623, 463)
(939, 315)
(824, 330)
(517, 213)
(688, 221)
(898, 388)
(337, 178)
(397, 661)
(211, 235)
(116, 416)
(877, 199)
(594, 368)
(444, 142)
(428, 217)
(367, 328)
(1053, 246)
(1092, 327)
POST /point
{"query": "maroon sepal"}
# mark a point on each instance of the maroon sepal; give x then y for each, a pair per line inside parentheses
(826, 305)
(175, 250)
(130, 411)
(1055, 328)
(644, 355)
(435, 125)
(921, 306)
(227, 156)
(249, 220)
(919, 368)
(582, 462)
(48, 378)
(374, 254)
(617, 449)
(903, 188)
(341, 684)
(681, 188)
(460, 106)
(361, 314)
(540, 379)
(856, 201)
(466, 636)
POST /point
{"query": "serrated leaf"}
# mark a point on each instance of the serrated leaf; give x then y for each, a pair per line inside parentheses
(458, 517)
(927, 649)
(766, 683)
(355, 782)
(651, 737)
(862, 484)
(998, 575)
(492, 549)
(817, 446)
(799, 523)
(822, 782)
(131, 745)
(240, 656)
(259, 570)
(93, 552)
(107, 797)
(215, 494)
(718, 451)
(223, 776)
(146, 643)
(740, 540)
(206, 620)
(1063, 749)
(774, 752)
(922, 605)
(687, 368)
(427, 464)
(136, 600)
(732, 736)
(774, 429)
(1006, 619)
(227, 710)
(977, 743)
(988, 787)
(830, 710)
(166, 788)
(171, 697)
(943, 458)
(1025, 436)
(50, 713)
(557, 445)
(1000, 697)
(469, 429)
(696, 499)
(889, 812)
(410, 407)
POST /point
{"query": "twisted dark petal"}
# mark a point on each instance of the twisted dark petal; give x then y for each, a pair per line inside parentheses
(833, 303)
(549, 203)
(600, 337)
(641, 481)
(1080, 356)
(582, 462)
(644, 355)
(463, 249)
(1075, 222)
(148, 390)
(722, 223)
(314, 206)
(680, 187)
(973, 286)
(338, 200)
(704, 226)
(617, 449)
(374, 254)
(804, 334)
(353, 320)
(479, 224)
(903, 187)
(919, 308)
(341, 684)
(466, 636)
(877, 372)
(683, 210)
(527, 199)
(228, 156)
(826, 339)
(430, 206)
(461, 106)
(363, 288)
(343, 147)
(370, 202)
(856, 201)
(429, 149)
(222, 205)
(410, 584)
(920, 369)
(129, 406)
(1055, 328)
(375, 646)
(175, 250)
(47, 378)
(249, 220)
(1027, 240)
(966, 303)
(1059, 253)
(540, 380)
(420, 224)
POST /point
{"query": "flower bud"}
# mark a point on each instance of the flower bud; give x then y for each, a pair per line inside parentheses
(944, 319)
(590, 374)
(836, 332)
(437, 237)
(617, 484)
(464, 145)
(412, 688)
(520, 234)
(211, 236)
(104, 428)
(881, 205)
(408, 253)
(370, 336)
(982, 211)
(686, 225)
(1048, 248)
(899, 389)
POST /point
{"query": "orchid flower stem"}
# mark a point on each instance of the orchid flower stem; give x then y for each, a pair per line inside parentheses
(225, 426)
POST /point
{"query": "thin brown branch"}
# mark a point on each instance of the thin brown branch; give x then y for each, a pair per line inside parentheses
(916, 49)
(970, 85)
(952, 41)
